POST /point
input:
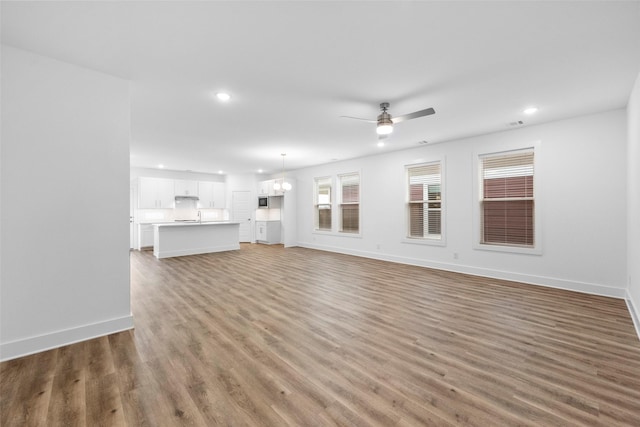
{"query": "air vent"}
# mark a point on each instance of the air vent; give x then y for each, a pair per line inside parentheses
(518, 123)
(423, 142)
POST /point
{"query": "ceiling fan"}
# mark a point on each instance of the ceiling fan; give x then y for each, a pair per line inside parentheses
(385, 122)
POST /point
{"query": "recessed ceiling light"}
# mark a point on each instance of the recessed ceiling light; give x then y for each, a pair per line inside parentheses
(223, 96)
(380, 143)
(220, 172)
(260, 171)
(160, 166)
(531, 110)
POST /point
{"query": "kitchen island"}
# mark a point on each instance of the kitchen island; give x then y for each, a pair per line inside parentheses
(190, 238)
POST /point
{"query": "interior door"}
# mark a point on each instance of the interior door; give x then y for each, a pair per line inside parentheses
(132, 226)
(241, 212)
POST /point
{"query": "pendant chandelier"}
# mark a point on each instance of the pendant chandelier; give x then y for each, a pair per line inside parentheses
(285, 185)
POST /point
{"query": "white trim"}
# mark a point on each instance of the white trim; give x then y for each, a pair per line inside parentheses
(428, 241)
(24, 347)
(316, 204)
(634, 311)
(530, 279)
(337, 234)
(339, 203)
(537, 187)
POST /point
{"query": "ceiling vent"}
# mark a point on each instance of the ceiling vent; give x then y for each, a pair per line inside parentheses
(518, 123)
(423, 142)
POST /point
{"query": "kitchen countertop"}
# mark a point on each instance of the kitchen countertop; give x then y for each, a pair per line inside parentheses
(192, 224)
(153, 222)
(191, 238)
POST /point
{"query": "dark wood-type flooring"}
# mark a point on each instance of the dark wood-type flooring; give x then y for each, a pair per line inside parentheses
(268, 336)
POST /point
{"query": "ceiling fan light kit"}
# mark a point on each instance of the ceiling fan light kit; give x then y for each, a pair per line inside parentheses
(384, 122)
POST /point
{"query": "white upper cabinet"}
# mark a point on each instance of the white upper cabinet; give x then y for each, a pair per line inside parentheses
(219, 189)
(155, 193)
(212, 195)
(185, 187)
(265, 188)
(279, 192)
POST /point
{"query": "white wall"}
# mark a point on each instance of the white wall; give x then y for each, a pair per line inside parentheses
(64, 191)
(633, 200)
(583, 207)
(171, 174)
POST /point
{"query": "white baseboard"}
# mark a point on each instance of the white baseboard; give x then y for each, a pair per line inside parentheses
(635, 313)
(24, 347)
(551, 282)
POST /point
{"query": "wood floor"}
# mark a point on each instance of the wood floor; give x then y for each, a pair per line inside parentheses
(268, 336)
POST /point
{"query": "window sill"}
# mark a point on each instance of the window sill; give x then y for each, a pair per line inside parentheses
(337, 233)
(509, 249)
(428, 241)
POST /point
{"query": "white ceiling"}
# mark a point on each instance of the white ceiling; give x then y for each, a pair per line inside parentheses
(294, 67)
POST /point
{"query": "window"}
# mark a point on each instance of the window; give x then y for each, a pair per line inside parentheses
(507, 199)
(425, 201)
(323, 204)
(350, 203)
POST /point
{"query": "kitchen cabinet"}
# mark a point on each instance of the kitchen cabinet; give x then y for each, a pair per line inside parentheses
(268, 232)
(212, 195)
(155, 193)
(265, 188)
(185, 187)
(145, 236)
(277, 192)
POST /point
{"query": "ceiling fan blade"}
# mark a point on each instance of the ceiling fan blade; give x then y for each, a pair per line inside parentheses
(413, 115)
(358, 118)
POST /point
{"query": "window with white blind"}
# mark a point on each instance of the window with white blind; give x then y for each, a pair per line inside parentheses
(323, 204)
(349, 203)
(425, 205)
(507, 205)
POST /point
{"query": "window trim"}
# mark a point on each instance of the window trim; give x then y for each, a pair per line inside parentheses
(477, 244)
(316, 228)
(339, 204)
(429, 241)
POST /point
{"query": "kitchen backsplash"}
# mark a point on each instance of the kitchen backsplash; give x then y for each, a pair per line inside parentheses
(162, 215)
(268, 215)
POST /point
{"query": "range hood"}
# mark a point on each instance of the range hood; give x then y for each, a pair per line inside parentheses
(180, 198)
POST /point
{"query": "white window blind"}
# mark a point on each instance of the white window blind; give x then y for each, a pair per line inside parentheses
(507, 211)
(350, 203)
(323, 204)
(425, 201)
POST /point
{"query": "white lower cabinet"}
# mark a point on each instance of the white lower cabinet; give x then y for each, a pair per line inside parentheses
(268, 232)
(145, 235)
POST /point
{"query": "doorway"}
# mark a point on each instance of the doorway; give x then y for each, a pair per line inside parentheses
(241, 212)
(132, 225)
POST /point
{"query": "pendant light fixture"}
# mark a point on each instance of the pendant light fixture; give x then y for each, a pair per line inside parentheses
(285, 185)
